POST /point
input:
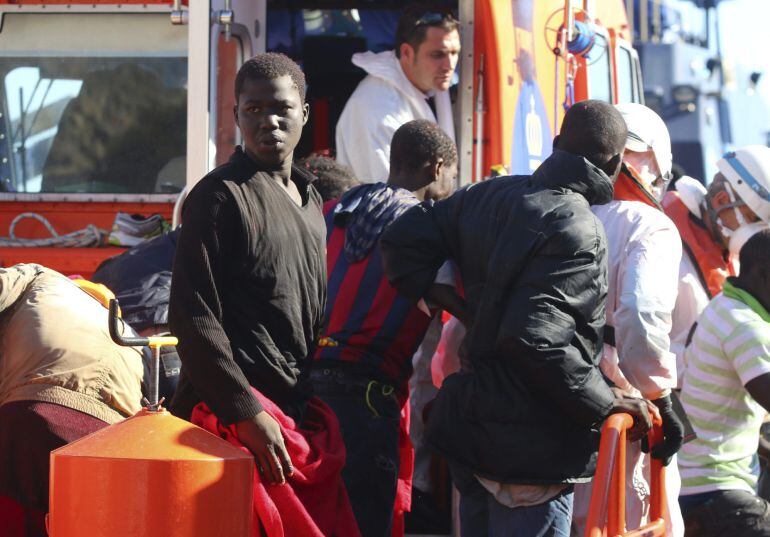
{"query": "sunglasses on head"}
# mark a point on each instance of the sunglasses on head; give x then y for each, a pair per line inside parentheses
(434, 17)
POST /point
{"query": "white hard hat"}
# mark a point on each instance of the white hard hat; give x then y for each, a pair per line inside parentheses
(748, 172)
(647, 132)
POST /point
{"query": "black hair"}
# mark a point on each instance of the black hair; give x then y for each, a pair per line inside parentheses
(755, 254)
(417, 18)
(594, 130)
(420, 142)
(270, 65)
(332, 178)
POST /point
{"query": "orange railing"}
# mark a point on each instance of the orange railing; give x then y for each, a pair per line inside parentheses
(607, 512)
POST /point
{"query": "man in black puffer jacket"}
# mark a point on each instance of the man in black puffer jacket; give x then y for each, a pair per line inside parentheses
(519, 423)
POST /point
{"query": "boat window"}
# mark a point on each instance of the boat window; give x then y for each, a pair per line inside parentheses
(322, 41)
(92, 104)
(288, 28)
(599, 72)
(624, 63)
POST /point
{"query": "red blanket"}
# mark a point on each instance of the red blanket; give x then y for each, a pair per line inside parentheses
(403, 503)
(313, 502)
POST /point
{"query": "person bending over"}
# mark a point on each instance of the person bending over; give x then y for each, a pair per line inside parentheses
(518, 423)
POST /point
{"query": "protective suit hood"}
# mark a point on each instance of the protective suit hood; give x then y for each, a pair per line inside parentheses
(650, 143)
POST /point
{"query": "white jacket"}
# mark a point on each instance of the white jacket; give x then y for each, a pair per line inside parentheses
(381, 103)
(692, 297)
(644, 252)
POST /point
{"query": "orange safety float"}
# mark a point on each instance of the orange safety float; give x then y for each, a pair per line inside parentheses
(152, 475)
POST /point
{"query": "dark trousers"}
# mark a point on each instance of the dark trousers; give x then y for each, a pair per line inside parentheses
(734, 513)
(481, 515)
(369, 413)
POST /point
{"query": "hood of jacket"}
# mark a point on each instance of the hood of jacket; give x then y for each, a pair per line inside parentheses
(365, 211)
(692, 193)
(575, 173)
(385, 66)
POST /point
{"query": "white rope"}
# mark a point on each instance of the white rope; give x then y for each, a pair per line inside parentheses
(89, 236)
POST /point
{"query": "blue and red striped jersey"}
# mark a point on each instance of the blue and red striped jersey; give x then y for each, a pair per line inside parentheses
(367, 322)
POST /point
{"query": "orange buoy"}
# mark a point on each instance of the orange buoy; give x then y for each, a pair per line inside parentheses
(152, 475)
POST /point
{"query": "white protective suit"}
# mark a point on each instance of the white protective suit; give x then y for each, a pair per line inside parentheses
(382, 102)
(692, 298)
(644, 252)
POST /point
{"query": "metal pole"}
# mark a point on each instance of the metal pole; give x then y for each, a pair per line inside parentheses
(155, 378)
(479, 146)
(465, 146)
(644, 29)
(657, 26)
(23, 140)
(569, 19)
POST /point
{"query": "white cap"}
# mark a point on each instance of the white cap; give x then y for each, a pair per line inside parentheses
(748, 172)
(647, 132)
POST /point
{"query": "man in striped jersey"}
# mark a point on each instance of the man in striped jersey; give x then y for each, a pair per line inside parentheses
(726, 393)
(364, 358)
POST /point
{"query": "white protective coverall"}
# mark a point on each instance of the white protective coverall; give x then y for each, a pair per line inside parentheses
(382, 102)
(644, 252)
(692, 297)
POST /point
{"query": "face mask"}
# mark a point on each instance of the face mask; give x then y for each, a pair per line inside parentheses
(726, 232)
(646, 168)
(740, 236)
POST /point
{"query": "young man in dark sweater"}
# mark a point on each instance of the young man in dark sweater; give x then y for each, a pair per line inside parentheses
(249, 279)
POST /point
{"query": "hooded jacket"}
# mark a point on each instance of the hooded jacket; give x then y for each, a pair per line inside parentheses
(381, 103)
(532, 258)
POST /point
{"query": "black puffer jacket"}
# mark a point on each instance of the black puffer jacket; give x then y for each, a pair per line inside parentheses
(532, 258)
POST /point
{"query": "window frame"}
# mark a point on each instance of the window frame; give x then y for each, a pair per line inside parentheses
(75, 9)
(621, 46)
(620, 52)
(601, 31)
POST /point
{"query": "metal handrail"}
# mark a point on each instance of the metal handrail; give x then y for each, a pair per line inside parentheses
(607, 511)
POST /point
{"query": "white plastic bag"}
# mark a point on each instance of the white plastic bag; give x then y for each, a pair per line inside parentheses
(446, 359)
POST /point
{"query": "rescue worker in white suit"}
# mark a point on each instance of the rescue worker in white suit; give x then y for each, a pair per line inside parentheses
(714, 224)
(644, 251)
(410, 82)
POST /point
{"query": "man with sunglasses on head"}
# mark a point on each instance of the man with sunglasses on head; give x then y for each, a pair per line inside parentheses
(714, 223)
(410, 82)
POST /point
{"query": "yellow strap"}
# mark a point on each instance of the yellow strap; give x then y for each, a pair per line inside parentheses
(386, 390)
(368, 402)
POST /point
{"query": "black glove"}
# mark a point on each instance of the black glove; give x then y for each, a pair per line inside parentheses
(673, 431)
